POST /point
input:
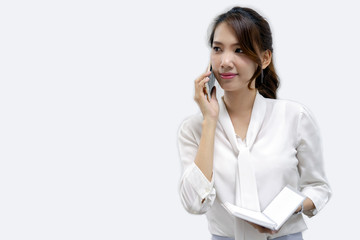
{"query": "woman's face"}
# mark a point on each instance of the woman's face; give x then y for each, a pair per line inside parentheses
(232, 68)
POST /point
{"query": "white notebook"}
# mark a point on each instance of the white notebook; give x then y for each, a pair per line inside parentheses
(275, 214)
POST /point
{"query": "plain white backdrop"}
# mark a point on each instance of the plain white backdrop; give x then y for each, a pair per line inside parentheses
(92, 94)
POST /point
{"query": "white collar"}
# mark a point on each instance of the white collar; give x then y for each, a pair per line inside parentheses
(256, 120)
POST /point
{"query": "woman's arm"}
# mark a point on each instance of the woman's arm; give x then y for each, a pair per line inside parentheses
(196, 147)
(210, 111)
(205, 153)
(313, 182)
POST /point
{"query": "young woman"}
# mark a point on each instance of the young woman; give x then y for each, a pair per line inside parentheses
(246, 147)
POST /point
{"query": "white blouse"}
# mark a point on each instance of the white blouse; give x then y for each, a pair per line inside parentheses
(282, 146)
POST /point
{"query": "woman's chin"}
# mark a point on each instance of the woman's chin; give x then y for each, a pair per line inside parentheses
(232, 88)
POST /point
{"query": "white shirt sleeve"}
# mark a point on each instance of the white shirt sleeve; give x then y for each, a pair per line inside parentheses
(313, 182)
(197, 194)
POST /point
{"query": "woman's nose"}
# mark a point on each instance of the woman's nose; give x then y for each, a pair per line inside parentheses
(227, 60)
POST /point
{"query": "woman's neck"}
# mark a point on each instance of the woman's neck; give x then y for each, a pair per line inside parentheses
(240, 103)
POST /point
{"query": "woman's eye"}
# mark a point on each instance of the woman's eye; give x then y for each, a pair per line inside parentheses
(238, 50)
(216, 49)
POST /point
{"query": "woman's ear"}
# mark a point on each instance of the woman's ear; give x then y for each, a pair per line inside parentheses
(266, 58)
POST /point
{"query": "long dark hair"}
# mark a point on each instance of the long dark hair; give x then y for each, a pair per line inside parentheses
(254, 35)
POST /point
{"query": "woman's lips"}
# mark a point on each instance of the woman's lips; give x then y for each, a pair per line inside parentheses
(227, 75)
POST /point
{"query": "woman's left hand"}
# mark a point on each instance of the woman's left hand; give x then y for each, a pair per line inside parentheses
(262, 229)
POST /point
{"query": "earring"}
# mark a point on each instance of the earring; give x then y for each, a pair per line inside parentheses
(262, 77)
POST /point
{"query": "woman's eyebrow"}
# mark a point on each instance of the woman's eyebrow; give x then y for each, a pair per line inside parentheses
(220, 43)
(217, 43)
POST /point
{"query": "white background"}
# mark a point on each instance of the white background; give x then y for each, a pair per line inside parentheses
(92, 94)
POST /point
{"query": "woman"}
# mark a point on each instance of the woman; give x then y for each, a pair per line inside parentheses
(248, 146)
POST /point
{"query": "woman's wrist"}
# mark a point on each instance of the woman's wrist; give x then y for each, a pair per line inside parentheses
(209, 123)
(307, 205)
(300, 209)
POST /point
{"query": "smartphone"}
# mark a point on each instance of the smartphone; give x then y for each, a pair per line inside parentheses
(210, 84)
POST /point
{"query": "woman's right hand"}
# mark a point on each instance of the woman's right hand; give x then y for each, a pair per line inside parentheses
(209, 108)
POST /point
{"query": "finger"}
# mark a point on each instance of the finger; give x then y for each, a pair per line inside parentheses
(267, 230)
(201, 91)
(207, 95)
(202, 76)
(208, 67)
(203, 81)
(205, 90)
(201, 85)
(264, 230)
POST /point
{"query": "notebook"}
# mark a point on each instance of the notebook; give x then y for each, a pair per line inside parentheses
(275, 214)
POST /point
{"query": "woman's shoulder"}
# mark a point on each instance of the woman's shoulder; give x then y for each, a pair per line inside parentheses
(192, 123)
(286, 105)
(291, 110)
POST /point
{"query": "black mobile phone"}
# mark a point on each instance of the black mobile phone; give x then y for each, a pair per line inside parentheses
(210, 84)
